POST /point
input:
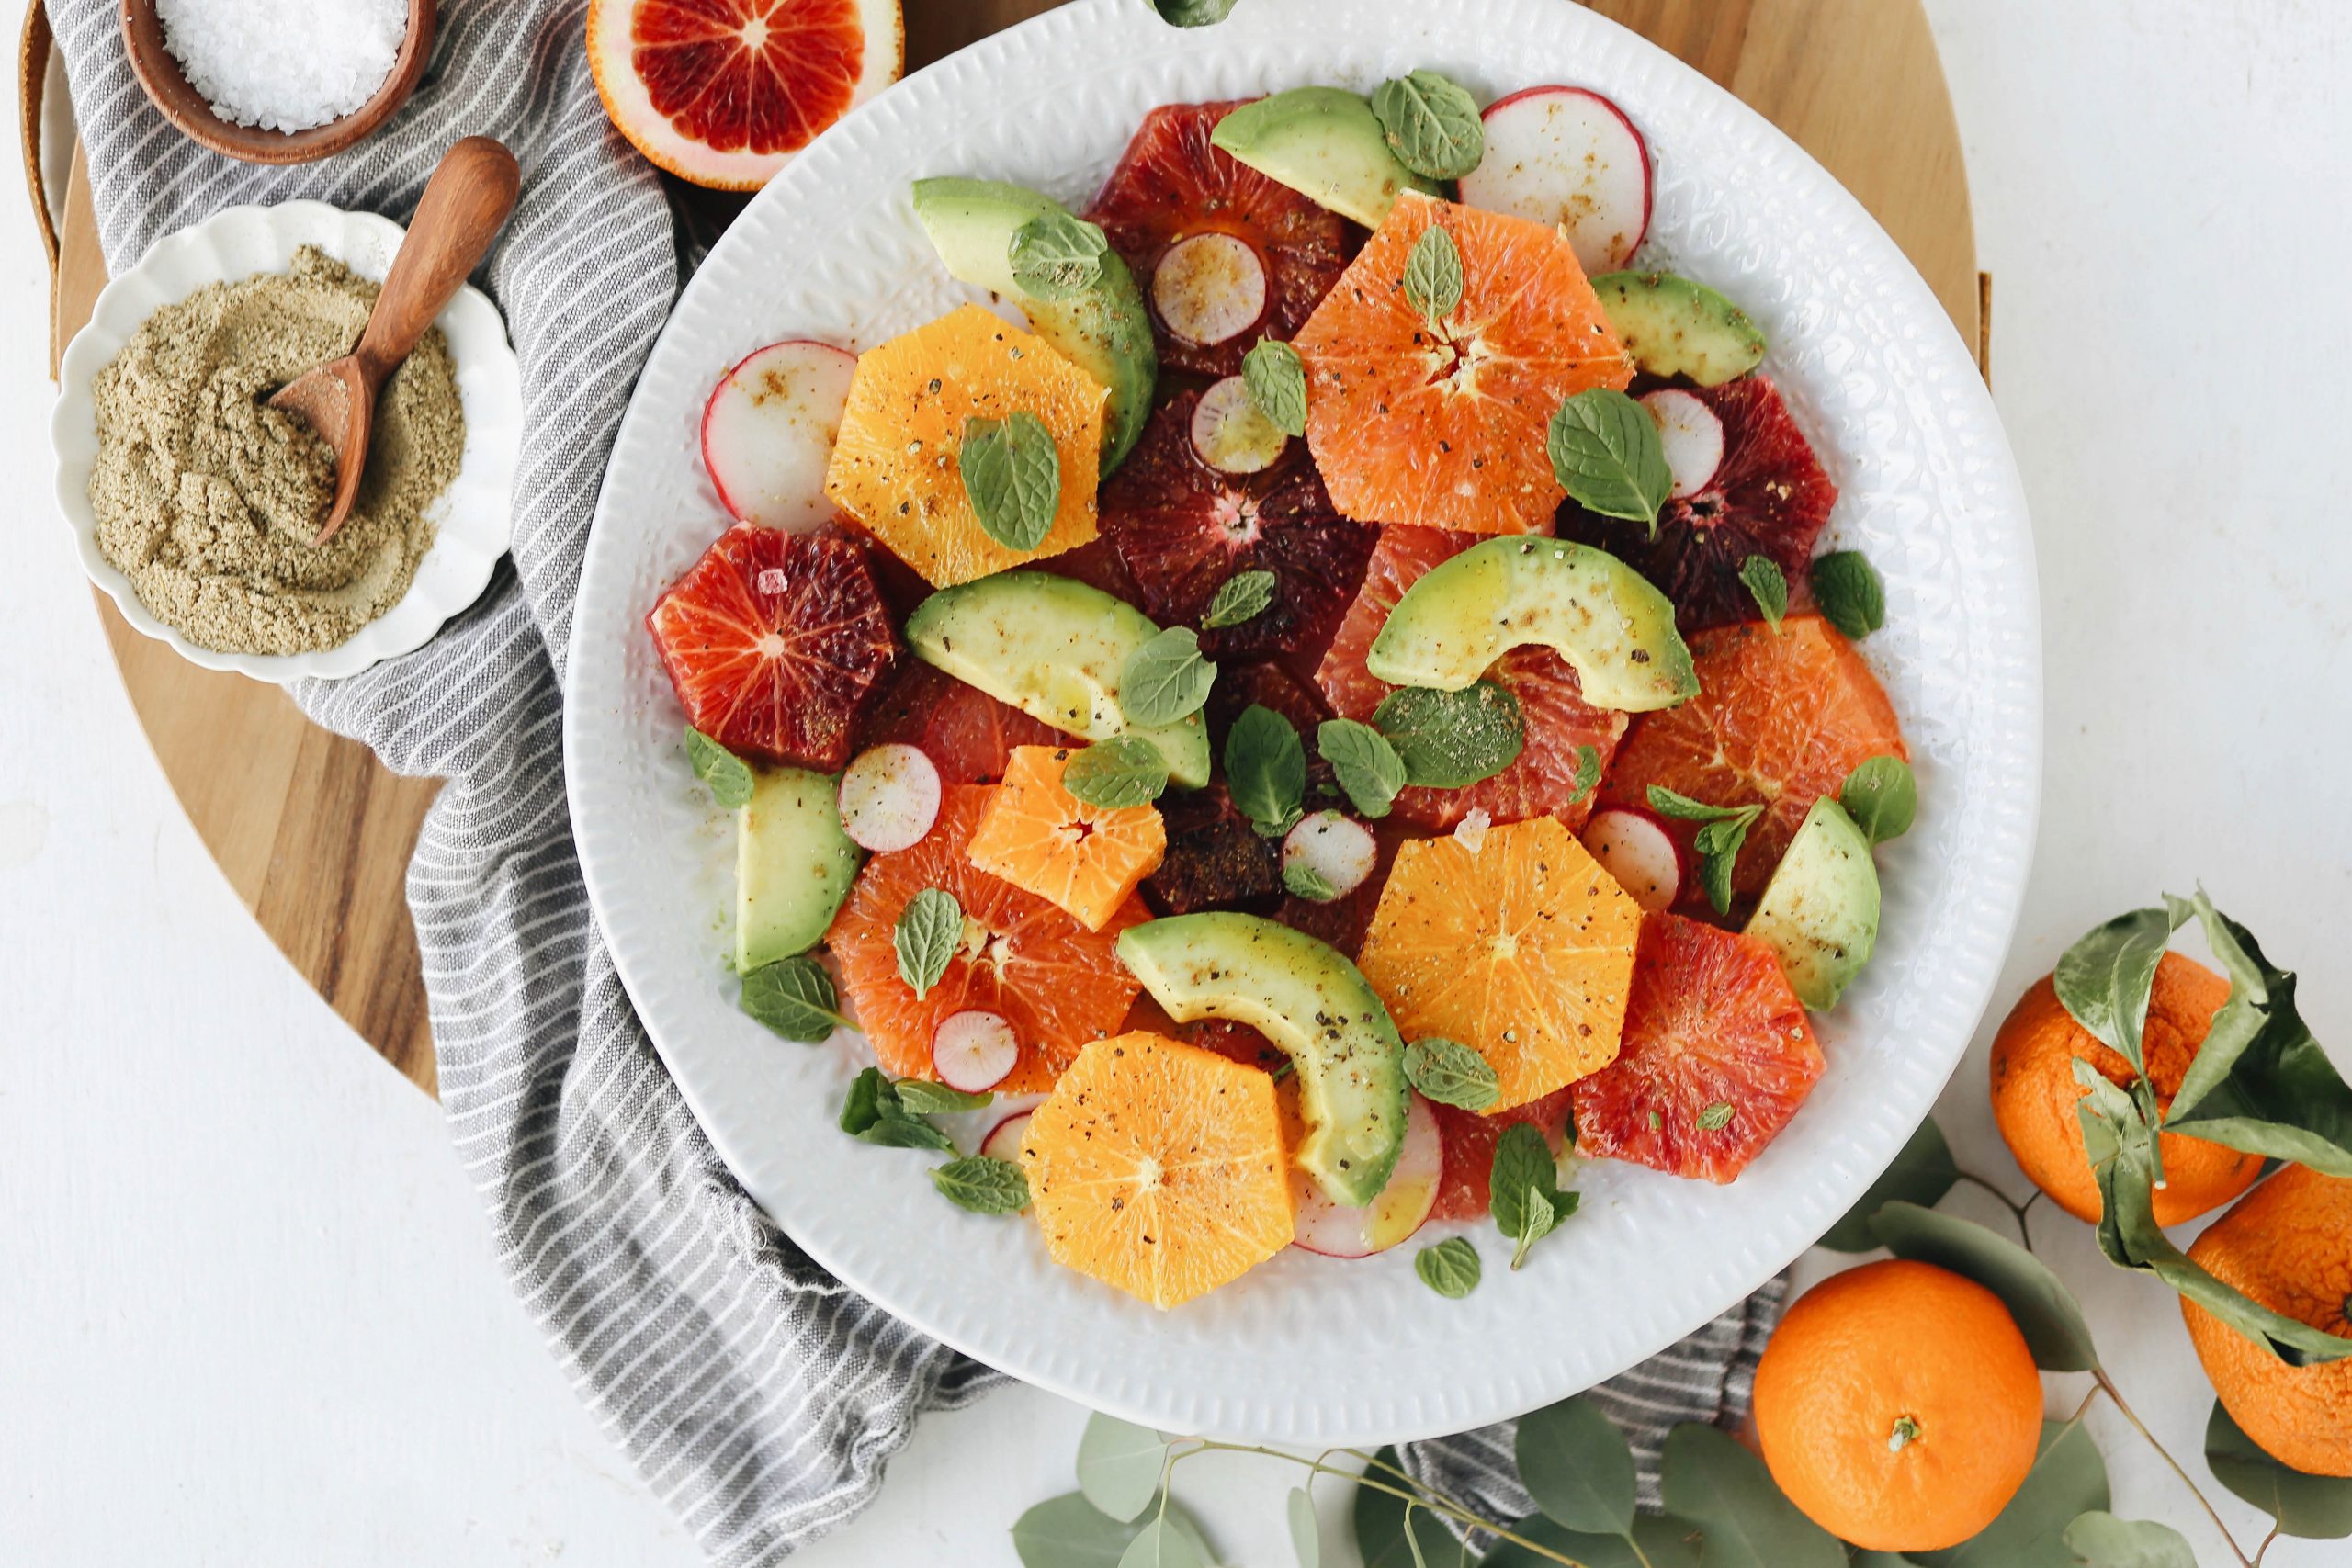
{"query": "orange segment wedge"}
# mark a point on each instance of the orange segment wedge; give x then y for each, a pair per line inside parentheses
(1523, 952)
(1445, 425)
(896, 464)
(1084, 859)
(1159, 1168)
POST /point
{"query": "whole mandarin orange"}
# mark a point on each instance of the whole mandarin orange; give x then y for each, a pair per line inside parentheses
(2034, 1093)
(2288, 1245)
(1898, 1406)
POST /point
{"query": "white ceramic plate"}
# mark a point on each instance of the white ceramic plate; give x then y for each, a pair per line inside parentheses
(474, 515)
(1308, 1349)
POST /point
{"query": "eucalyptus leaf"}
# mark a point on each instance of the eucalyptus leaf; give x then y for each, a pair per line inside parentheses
(2311, 1507)
(2102, 1540)
(1012, 476)
(1434, 275)
(1244, 596)
(1883, 797)
(1166, 679)
(1069, 1531)
(1452, 739)
(1451, 1267)
(2104, 980)
(1577, 1467)
(1655, 1542)
(1390, 1533)
(793, 997)
(1921, 1174)
(1057, 255)
(1161, 1544)
(1366, 766)
(1306, 1530)
(1119, 1466)
(1116, 773)
(1846, 590)
(1606, 454)
(2045, 1309)
(1265, 768)
(727, 776)
(1451, 1074)
(930, 930)
(1193, 13)
(1431, 123)
(1769, 584)
(1276, 378)
(1710, 1480)
(2068, 1479)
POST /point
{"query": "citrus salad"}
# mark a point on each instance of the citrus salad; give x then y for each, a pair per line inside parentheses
(1332, 720)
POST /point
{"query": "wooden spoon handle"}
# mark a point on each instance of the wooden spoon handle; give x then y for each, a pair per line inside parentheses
(464, 206)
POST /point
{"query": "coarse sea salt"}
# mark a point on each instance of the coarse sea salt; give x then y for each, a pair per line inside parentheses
(284, 64)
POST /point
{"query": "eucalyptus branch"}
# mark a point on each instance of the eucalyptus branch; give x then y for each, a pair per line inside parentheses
(2107, 1385)
(2016, 1210)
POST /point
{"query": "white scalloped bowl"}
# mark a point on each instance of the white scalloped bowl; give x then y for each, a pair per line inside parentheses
(474, 515)
(1309, 1349)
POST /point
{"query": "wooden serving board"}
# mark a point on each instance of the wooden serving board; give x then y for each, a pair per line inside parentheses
(315, 834)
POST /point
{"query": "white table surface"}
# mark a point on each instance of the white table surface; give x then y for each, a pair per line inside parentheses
(248, 1311)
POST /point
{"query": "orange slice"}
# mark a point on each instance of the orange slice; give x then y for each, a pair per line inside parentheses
(1523, 952)
(1446, 426)
(1159, 1168)
(1037, 835)
(896, 465)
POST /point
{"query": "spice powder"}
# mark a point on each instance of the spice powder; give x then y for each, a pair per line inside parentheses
(207, 498)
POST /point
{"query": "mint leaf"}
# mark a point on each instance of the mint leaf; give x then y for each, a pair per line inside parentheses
(1450, 1268)
(1275, 378)
(1715, 1117)
(930, 930)
(1523, 1190)
(1432, 124)
(1881, 796)
(1012, 476)
(983, 1185)
(1606, 454)
(1055, 255)
(874, 1112)
(1193, 13)
(1166, 679)
(1769, 584)
(1434, 275)
(1451, 1074)
(794, 997)
(1674, 803)
(1588, 773)
(1241, 597)
(1718, 843)
(923, 1098)
(1265, 768)
(1847, 589)
(1366, 766)
(728, 776)
(1538, 1215)
(1452, 739)
(1305, 882)
(1117, 773)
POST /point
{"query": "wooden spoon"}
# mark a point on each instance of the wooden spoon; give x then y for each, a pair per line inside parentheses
(464, 206)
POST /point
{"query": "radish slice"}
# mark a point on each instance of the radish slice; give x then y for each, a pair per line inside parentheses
(1471, 831)
(1634, 847)
(768, 430)
(1338, 848)
(1209, 288)
(1336, 1231)
(1566, 156)
(974, 1050)
(889, 797)
(1003, 1141)
(1692, 437)
(1230, 434)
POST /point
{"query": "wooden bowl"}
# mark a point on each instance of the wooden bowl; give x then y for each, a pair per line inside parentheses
(158, 72)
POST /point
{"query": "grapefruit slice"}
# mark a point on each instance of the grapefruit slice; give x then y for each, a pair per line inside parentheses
(723, 92)
(897, 462)
(1717, 1056)
(1183, 530)
(775, 643)
(1053, 981)
(1543, 781)
(1242, 256)
(1521, 951)
(1159, 1168)
(1470, 1139)
(1038, 836)
(967, 735)
(1780, 720)
(1444, 423)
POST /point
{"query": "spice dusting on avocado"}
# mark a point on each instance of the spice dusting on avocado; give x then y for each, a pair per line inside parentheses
(207, 498)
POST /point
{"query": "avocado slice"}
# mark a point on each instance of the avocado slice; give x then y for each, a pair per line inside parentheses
(1102, 330)
(1053, 648)
(1674, 327)
(1585, 605)
(1820, 910)
(1309, 1000)
(1325, 143)
(793, 866)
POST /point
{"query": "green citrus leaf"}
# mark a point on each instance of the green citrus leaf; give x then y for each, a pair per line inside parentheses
(1431, 123)
(1769, 584)
(1451, 1267)
(983, 1184)
(1708, 1479)
(2311, 1507)
(1577, 1467)
(2068, 1479)
(1881, 796)
(795, 998)
(1114, 773)
(1012, 476)
(930, 930)
(1606, 454)
(1275, 378)
(2101, 1541)
(1452, 739)
(1847, 589)
(2045, 1309)
(1166, 679)
(1366, 766)
(1119, 1466)
(1921, 1175)
(728, 776)
(2104, 980)
(1243, 596)
(1451, 1074)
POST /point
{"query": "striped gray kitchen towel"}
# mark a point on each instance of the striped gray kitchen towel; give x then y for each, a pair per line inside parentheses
(759, 1397)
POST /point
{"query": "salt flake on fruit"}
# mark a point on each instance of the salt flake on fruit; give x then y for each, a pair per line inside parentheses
(774, 580)
(1471, 831)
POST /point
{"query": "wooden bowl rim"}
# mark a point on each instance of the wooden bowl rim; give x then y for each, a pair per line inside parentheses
(168, 87)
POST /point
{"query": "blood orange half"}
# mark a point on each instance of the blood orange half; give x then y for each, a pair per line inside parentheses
(1443, 422)
(724, 92)
(967, 735)
(1542, 782)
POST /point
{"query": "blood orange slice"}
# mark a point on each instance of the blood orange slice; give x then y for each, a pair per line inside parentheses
(1780, 719)
(1183, 530)
(1055, 982)
(1444, 423)
(724, 92)
(1559, 722)
(775, 643)
(1470, 1140)
(1717, 1056)
(967, 735)
(1038, 836)
(1521, 951)
(1171, 186)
